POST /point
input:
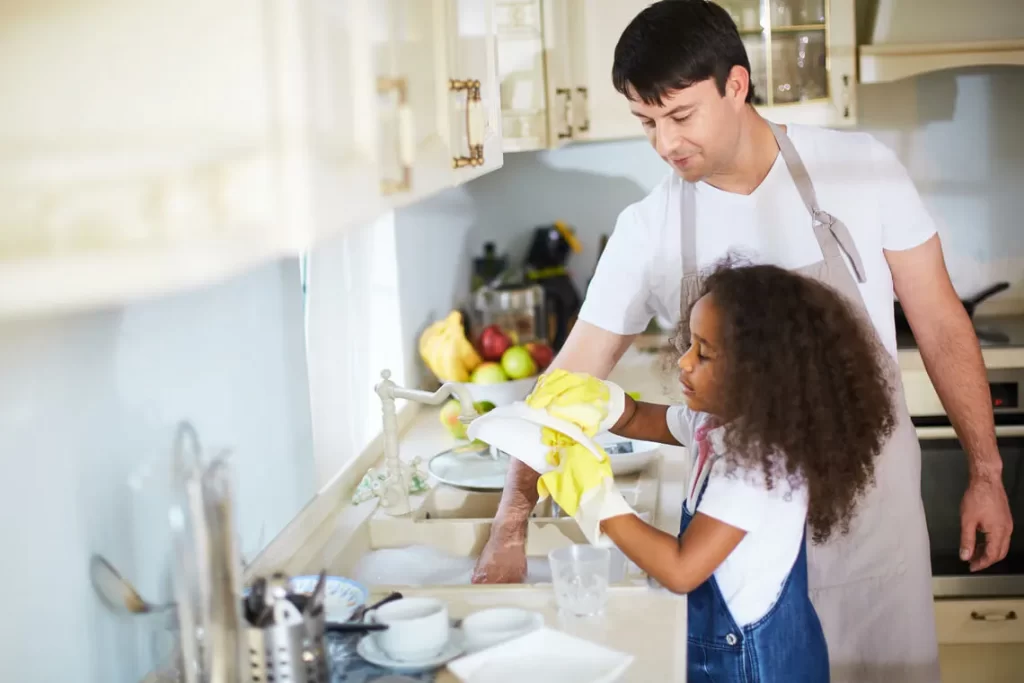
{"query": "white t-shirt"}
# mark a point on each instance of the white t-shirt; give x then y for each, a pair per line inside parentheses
(752, 576)
(856, 178)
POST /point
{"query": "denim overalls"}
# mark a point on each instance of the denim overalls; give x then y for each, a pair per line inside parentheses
(786, 645)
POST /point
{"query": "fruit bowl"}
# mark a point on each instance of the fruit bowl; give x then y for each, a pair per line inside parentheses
(501, 393)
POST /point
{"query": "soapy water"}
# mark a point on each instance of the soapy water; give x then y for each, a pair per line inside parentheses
(424, 565)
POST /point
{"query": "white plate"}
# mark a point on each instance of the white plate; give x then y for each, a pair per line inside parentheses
(470, 467)
(368, 650)
(341, 596)
(543, 656)
(628, 456)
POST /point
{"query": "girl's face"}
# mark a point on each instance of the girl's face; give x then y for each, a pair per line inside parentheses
(701, 365)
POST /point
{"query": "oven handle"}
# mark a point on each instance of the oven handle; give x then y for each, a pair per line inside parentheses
(933, 433)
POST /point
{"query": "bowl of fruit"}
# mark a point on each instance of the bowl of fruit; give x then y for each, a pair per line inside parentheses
(495, 370)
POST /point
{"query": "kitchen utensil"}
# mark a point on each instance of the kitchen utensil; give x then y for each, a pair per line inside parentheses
(117, 592)
(316, 598)
(546, 265)
(390, 597)
(355, 627)
(516, 306)
(256, 602)
(579, 575)
(970, 305)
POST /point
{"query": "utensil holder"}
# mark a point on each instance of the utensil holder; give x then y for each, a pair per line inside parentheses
(289, 654)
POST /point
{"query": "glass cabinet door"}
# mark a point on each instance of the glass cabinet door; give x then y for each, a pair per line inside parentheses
(787, 43)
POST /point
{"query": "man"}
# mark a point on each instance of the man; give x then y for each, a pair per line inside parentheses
(741, 184)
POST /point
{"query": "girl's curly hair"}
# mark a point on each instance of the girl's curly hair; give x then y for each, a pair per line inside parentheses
(804, 377)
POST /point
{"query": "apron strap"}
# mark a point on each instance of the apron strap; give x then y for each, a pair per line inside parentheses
(831, 233)
(688, 229)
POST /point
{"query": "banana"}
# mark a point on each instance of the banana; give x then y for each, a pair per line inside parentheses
(446, 351)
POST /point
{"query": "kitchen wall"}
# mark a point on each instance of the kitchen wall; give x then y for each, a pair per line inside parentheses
(957, 132)
(88, 406)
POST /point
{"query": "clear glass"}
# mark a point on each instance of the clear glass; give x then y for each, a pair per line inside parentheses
(789, 13)
(746, 14)
(579, 574)
(755, 45)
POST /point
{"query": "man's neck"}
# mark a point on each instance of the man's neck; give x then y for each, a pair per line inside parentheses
(756, 153)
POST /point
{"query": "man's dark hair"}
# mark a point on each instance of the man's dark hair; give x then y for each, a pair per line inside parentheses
(673, 44)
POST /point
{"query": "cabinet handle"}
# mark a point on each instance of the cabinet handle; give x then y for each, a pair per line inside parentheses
(994, 616)
(566, 112)
(474, 123)
(585, 126)
(846, 96)
(406, 135)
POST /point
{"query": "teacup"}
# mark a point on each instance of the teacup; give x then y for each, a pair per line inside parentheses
(417, 628)
(491, 627)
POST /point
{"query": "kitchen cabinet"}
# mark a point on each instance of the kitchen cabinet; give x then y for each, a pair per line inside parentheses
(556, 60)
(147, 146)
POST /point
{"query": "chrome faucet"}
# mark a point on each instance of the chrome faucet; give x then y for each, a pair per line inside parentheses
(395, 495)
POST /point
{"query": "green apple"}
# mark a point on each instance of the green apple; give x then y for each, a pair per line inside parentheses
(488, 373)
(518, 363)
(450, 419)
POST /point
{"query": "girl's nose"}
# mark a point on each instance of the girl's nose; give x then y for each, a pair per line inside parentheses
(685, 364)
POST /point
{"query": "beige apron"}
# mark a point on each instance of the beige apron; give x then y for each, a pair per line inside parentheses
(872, 587)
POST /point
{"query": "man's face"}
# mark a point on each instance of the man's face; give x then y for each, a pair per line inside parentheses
(696, 129)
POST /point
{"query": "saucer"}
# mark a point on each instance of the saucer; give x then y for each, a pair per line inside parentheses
(369, 651)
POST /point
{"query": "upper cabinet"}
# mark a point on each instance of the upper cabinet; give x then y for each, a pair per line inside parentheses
(556, 63)
(150, 146)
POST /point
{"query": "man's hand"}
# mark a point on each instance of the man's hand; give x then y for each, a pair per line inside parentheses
(503, 559)
(985, 508)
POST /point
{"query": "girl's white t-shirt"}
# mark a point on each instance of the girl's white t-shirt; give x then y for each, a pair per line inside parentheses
(856, 178)
(751, 577)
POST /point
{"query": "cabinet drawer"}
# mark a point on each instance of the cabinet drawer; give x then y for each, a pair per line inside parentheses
(980, 621)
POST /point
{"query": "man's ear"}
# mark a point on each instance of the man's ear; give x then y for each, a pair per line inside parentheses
(737, 84)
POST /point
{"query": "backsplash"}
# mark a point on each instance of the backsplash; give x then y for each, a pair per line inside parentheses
(958, 133)
(88, 406)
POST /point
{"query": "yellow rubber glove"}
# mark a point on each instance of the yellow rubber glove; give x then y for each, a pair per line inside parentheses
(577, 471)
(572, 396)
(582, 400)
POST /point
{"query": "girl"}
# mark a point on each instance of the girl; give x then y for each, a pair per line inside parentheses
(787, 406)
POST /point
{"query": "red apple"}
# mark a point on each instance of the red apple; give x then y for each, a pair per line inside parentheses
(493, 343)
(542, 354)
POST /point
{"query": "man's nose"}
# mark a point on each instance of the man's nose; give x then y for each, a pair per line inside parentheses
(665, 139)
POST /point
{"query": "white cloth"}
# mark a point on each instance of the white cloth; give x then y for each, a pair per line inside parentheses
(856, 178)
(751, 577)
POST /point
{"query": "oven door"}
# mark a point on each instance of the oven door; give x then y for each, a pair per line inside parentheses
(943, 482)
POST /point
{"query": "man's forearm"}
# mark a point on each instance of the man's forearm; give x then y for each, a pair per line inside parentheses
(952, 356)
(517, 501)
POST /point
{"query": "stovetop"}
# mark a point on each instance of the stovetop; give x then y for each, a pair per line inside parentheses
(1001, 332)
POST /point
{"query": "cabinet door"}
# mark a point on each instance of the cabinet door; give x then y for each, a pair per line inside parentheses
(521, 70)
(135, 153)
(412, 121)
(802, 57)
(563, 89)
(599, 112)
(328, 84)
(472, 89)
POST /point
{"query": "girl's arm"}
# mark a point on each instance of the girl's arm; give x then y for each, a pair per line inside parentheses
(680, 565)
(644, 421)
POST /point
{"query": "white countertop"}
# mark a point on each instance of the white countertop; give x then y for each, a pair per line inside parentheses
(648, 624)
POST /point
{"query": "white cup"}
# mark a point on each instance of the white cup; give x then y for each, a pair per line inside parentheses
(417, 628)
(491, 627)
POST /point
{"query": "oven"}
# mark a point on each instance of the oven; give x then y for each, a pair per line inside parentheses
(944, 474)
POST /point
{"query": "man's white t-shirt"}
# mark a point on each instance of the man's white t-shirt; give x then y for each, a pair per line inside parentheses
(856, 178)
(751, 577)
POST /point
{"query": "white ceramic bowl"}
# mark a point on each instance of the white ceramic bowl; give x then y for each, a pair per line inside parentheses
(417, 628)
(503, 393)
(627, 455)
(491, 627)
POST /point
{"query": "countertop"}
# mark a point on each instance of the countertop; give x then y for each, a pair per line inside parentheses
(649, 624)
